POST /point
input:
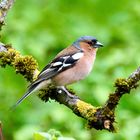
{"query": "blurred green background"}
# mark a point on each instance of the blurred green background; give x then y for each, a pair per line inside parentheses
(43, 28)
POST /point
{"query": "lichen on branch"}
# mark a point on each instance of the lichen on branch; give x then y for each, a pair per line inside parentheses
(97, 117)
(25, 65)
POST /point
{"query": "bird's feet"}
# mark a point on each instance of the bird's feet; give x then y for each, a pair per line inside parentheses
(63, 89)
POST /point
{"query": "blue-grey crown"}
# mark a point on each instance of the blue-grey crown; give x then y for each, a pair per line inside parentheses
(83, 38)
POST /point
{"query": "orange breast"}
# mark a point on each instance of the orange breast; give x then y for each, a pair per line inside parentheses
(82, 68)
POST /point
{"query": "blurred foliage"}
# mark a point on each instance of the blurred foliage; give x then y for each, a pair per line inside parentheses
(50, 135)
(42, 29)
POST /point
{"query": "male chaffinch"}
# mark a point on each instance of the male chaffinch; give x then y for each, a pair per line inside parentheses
(70, 65)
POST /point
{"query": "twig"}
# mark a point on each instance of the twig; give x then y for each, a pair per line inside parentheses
(5, 5)
(1, 135)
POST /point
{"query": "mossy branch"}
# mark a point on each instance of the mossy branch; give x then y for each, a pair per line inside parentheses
(25, 65)
(97, 117)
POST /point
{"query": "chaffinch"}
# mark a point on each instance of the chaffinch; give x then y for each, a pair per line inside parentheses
(72, 64)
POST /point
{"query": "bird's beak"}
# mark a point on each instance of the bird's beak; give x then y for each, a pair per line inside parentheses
(98, 45)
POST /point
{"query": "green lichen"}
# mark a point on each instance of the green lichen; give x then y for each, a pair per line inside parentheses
(8, 46)
(112, 101)
(25, 65)
(103, 119)
(49, 92)
(133, 82)
(8, 57)
(122, 85)
(85, 110)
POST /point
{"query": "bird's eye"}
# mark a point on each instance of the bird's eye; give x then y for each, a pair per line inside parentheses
(90, 42)
(94, 41)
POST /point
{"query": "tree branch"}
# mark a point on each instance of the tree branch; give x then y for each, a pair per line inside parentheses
(1, 134)
(5, 5)
(97, 117)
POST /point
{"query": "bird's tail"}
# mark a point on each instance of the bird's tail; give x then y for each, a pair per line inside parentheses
(21, 99)
(31, 89)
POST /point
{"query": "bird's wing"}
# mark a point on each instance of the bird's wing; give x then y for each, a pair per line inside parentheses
(64, 60)
(59, 64)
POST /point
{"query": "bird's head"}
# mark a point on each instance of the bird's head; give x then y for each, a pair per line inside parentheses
(89, 40)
